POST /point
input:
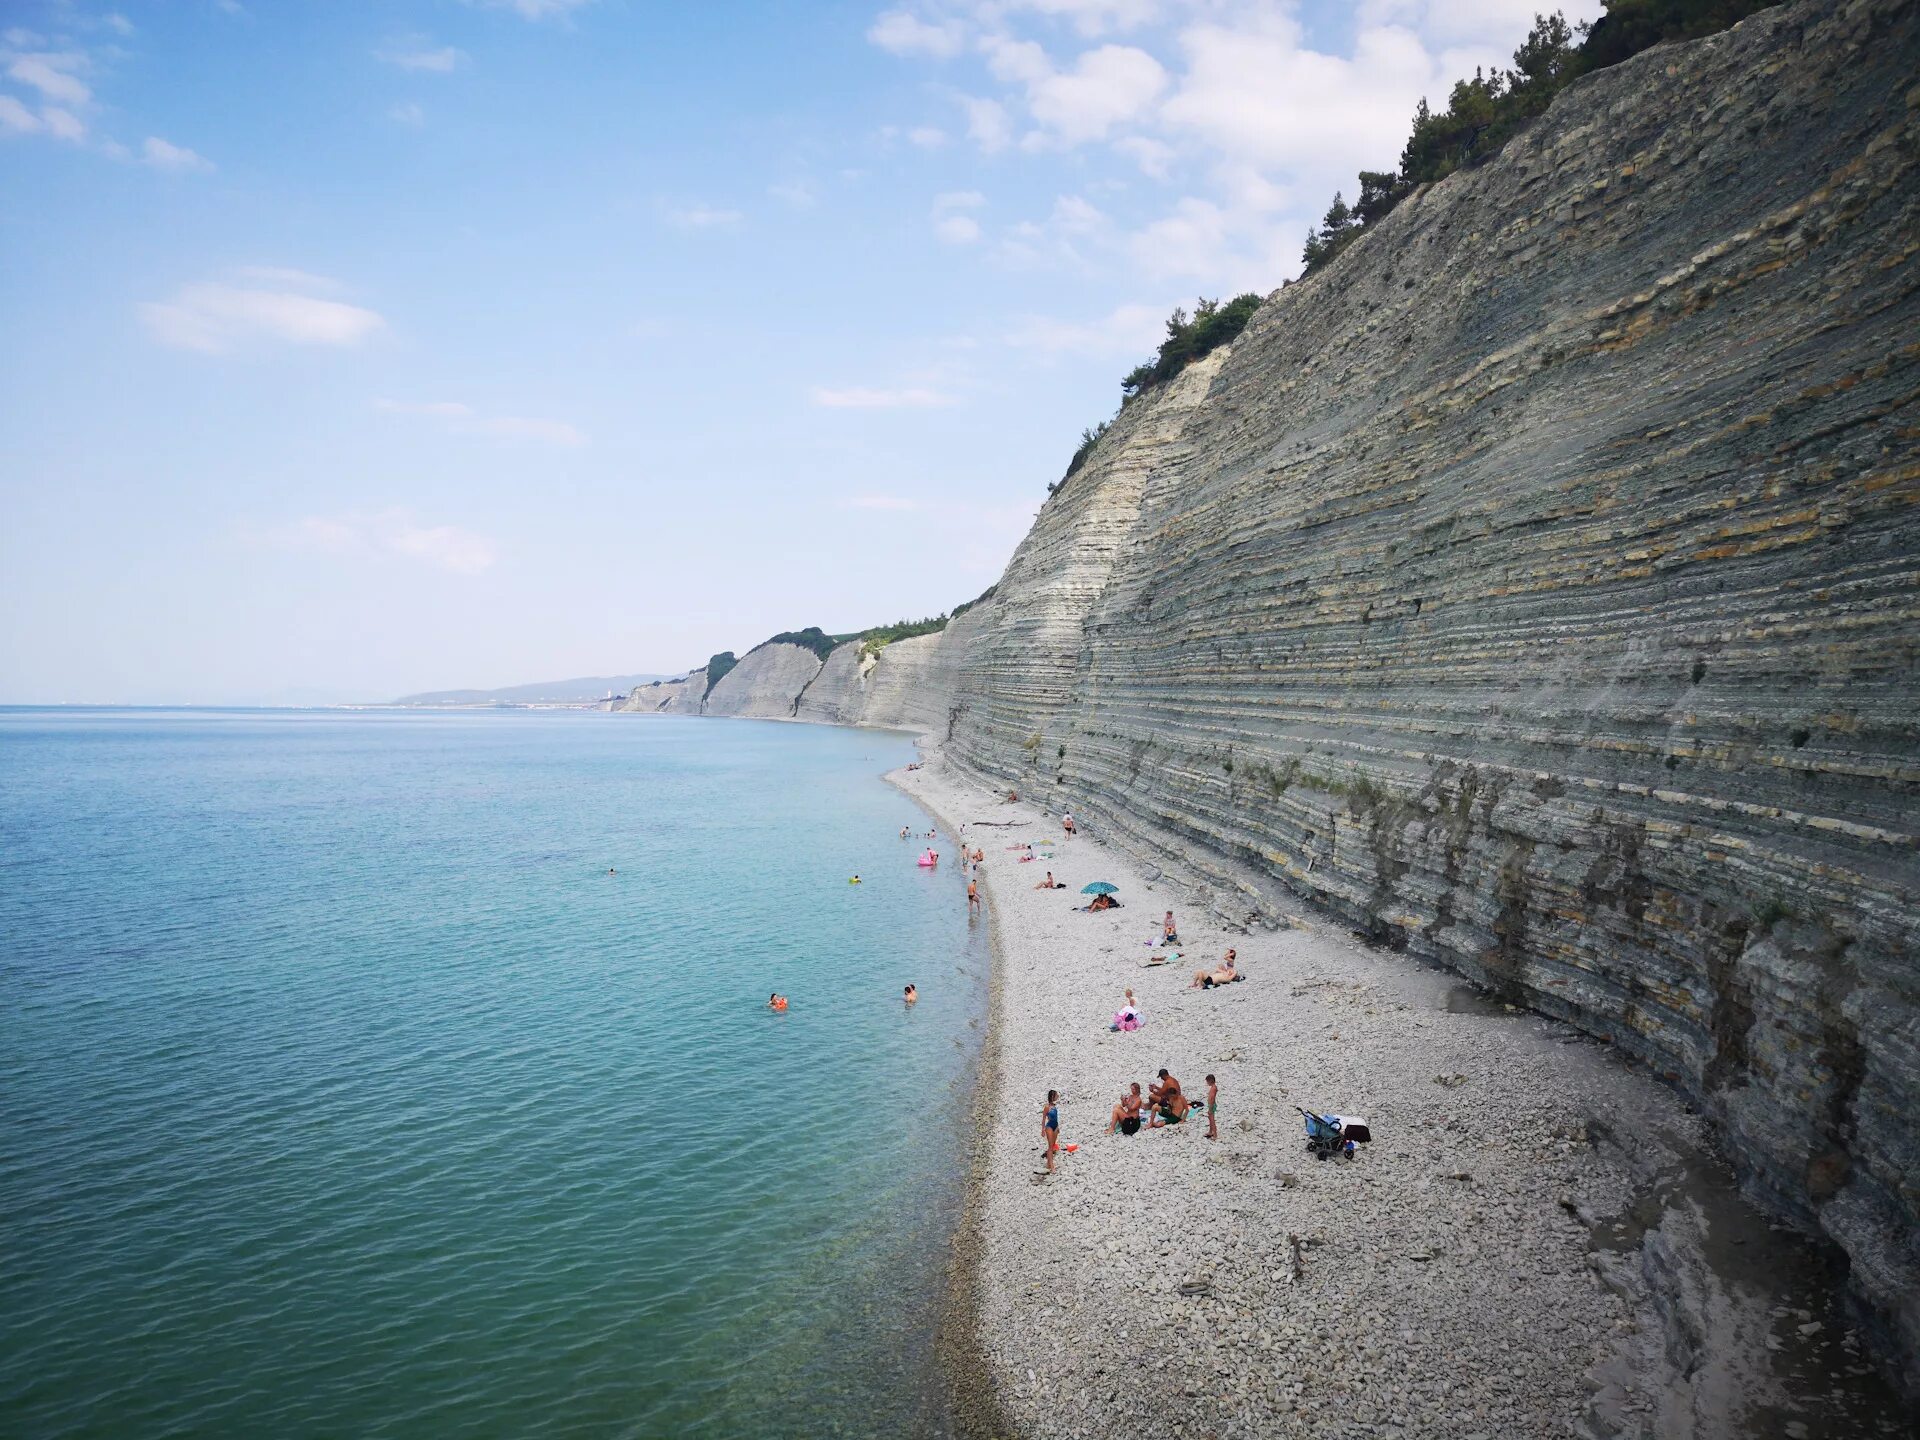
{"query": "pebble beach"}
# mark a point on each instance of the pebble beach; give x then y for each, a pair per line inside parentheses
(1473, 1272)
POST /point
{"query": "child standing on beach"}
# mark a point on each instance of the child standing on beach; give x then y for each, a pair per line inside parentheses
(1213, 1099)
(1050, 1127)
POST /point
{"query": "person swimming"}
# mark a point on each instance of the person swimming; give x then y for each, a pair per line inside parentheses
(853, 880)
(776, 1001)
(912, 994)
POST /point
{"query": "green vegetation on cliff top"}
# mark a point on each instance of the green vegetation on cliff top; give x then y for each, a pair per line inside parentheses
(872, 640)
(1484, 113)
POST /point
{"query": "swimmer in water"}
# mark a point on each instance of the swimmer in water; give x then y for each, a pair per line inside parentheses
(911, 995)
(855, 880)
(776, 1001)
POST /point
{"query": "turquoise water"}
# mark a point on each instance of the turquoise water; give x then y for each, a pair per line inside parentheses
(347, 1094)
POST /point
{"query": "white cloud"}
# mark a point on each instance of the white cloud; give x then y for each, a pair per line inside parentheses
(703, 217)
(164, 155)
(392, 534)
(1260, 96)
(1108, 86)
(1154, 157)
(859, 397)
(63, 124)
(957, 229)
(1090, 17)
(213, 317)
(988, 125)
(905, 34)
(417, 54)
(15, 118)
(117, 23)
(1127, 331)
(462, 419)
(796, 193)
(1020, 62)
(409, 112)
(950, 223)
(1076, 216)
(51, 75)
(927, 137)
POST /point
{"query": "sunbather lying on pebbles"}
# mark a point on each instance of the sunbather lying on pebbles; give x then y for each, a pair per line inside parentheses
(1225, 973)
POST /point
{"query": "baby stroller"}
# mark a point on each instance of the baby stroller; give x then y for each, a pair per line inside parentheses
(1330, 1135)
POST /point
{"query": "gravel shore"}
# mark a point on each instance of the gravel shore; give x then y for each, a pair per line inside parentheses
(1447, 1282)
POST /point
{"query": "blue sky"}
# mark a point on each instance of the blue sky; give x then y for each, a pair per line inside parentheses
(356, 349)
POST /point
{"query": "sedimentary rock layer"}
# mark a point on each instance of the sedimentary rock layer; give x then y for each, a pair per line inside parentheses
(1538, 588)
(668, 697)
(766, 683)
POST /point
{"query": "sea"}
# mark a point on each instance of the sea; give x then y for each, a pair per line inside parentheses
(397, 1073)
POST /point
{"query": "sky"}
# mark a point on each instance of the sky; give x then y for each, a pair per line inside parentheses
(356, 349)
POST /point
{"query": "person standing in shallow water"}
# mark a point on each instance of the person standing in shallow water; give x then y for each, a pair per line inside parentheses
(973, 896)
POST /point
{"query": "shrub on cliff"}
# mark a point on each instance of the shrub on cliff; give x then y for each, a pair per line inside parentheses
(1089, 438)
(873, 641)
(718, 666)
(812, 638)
(1211, 326)
(980, 599)
(1485, 112)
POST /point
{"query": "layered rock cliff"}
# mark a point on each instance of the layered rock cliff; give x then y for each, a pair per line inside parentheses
(1536, 589)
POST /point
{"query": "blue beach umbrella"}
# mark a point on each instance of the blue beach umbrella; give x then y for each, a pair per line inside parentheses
(1101, 887)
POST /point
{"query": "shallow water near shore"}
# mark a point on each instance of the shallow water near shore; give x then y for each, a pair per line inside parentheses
(350, 1094)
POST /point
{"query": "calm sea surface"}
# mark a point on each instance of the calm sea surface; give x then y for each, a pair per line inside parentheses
(343, 1092)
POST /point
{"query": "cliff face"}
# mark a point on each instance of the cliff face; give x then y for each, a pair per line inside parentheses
(766, 683)
(1536, 589)
(668, 697)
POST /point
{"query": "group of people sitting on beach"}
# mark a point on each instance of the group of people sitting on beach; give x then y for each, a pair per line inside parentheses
(1163, 1104)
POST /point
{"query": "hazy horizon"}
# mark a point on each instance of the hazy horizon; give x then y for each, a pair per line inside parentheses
(360, 354)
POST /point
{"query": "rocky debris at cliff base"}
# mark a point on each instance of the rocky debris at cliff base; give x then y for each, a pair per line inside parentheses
(1445, 1283)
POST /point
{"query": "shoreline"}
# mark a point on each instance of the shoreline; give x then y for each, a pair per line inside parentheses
(1513, 1254)
(960, 1356)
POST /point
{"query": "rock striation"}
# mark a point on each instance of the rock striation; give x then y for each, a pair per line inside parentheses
(1536, 588)
(766, 683)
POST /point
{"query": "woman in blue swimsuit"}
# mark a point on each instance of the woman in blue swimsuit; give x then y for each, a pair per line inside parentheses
(1050, 1126)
